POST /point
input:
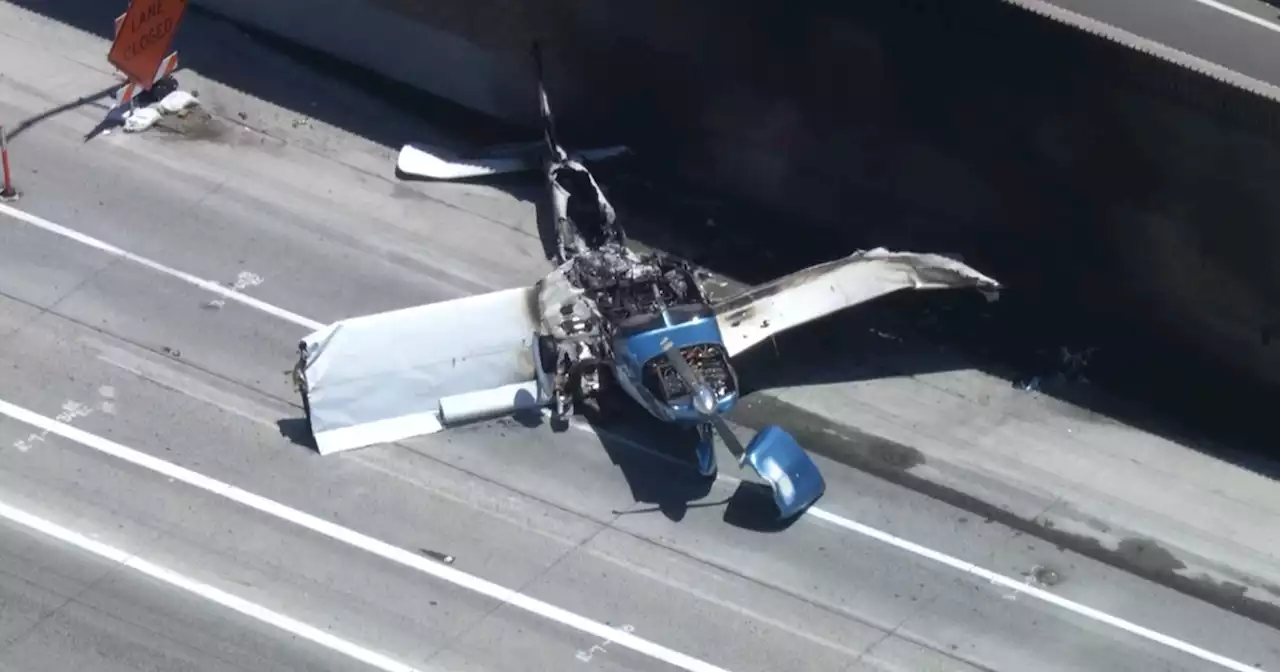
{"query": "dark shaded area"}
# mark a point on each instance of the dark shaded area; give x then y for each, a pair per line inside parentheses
(666, 484)
(752, 508)
(656, 459)
(659, 464)
(297, 431)
(1100, 241)
(21, 127)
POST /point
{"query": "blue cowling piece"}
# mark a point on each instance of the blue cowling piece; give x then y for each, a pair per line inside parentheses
(795, 479)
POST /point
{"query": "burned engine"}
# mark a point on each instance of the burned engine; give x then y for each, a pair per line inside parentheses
(611, 291)
(602, 290)
(708, 359)
(623, 284)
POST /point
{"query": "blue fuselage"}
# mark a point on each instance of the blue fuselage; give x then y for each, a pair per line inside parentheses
(638, 354)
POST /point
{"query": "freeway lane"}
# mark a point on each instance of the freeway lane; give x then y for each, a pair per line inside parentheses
(523, 508)
(1240, 35)
(67, 611)
(814, 592)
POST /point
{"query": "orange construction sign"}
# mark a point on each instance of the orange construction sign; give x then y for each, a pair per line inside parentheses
(144, 36)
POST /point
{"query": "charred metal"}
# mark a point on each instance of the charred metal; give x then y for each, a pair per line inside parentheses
(603, 291)
(708, 359)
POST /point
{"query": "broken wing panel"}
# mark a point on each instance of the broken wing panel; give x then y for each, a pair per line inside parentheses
(438, 163)
(385, 377)
(771, 308)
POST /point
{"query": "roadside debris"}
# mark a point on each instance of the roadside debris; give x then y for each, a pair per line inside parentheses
(1042, 576)
(437, 556)
(1038, 577)
(1071, 366)
(140, 119)
(178, 102)
(244, 280)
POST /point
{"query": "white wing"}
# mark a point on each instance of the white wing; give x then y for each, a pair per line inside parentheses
(771, 308)
(438, 163)
(403, 373)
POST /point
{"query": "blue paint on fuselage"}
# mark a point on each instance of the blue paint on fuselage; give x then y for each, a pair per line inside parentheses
(639, 340)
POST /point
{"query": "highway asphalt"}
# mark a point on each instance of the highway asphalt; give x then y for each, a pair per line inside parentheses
(112, 558)
(1241, 35)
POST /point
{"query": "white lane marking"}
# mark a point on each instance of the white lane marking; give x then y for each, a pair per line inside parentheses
(465, 580)
(208, 592)
(586, 656)
(42, 223)
(1240, 14)
(70, 411)
(360, 541)
(1024, 587)
(1032, 591)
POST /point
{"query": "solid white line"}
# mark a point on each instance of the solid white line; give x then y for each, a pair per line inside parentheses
(970, 568)
(208, 592)
(360, 541)
(1031, 591)
(207, 285)
(1240, 14)
(449, 574)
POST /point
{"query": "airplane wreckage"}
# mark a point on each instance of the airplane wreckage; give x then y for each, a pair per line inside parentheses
(605, 318)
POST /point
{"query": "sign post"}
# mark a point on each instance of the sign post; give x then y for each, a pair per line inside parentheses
(144, 34)
(7, 192)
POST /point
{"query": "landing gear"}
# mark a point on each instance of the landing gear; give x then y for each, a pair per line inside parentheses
(705, 452)
(561, 398)
(561, 409)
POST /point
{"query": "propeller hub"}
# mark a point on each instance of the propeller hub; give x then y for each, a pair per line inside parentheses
(704, 400)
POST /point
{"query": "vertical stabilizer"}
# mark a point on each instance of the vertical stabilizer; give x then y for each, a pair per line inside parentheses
(544, 107)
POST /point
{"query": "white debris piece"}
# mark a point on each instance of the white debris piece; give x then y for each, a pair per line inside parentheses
(177, 101)
(140, 119)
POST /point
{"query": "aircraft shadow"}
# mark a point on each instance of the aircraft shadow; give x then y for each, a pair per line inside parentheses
(297, 431)
(657, 462)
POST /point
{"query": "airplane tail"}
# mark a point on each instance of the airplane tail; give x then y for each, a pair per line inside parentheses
(439, 163)
(544, 107)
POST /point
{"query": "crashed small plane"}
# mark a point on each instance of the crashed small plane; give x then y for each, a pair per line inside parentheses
(605, 318)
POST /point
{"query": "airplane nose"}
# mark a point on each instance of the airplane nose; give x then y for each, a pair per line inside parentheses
(704, 400)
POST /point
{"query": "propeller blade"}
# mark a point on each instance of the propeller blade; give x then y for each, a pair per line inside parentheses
(730, 439)
(691, 378)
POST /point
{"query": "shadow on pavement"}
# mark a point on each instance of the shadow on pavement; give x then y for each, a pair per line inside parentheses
(297, 431)
(1136, 379)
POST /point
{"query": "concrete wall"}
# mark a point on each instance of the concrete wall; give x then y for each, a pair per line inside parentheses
(1141, 195)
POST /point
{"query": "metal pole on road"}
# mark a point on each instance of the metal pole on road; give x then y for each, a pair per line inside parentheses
(7, 192)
